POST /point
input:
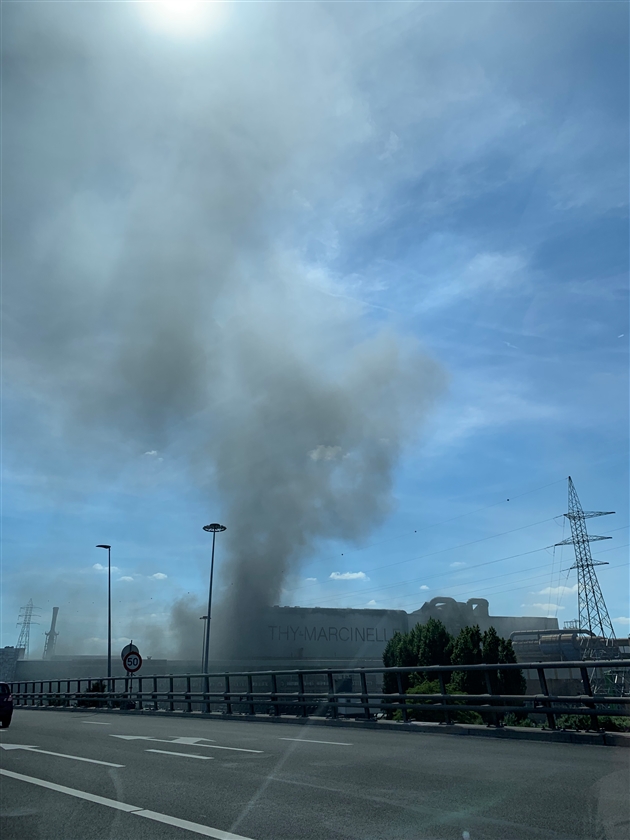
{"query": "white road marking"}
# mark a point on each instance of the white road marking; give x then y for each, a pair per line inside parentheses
(306, 741)
(197, 828)
(96, 722)
(59, 755)
(191, 742)
(185, 755)
(191, 826)
(217, 747)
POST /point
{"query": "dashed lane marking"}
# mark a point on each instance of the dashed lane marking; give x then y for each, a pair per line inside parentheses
(307, 741)
(187, 825)
(96, 722)
(183, 755)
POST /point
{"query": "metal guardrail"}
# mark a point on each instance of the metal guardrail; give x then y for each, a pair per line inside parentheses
(328, 692)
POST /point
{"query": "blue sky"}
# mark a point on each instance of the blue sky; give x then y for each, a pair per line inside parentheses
(429, 195)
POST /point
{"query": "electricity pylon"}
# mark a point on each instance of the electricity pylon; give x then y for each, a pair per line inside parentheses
(26, 619)
(593, 614)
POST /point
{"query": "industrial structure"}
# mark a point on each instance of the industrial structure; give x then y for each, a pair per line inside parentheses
(592, 610)
(352, 635)
(51, 636)
(24, 621)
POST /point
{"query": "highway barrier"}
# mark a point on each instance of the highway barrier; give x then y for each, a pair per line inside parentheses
(342, 693)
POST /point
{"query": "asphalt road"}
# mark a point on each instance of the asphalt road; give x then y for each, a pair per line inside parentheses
(264, 781)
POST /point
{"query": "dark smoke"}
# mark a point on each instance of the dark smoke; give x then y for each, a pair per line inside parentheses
(155, 225)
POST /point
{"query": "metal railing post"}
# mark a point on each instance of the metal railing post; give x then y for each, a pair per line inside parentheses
(542, 679)
(188, 700)
(447, 713)
(206, 693)
(364, 696)
(494, 716)
(403, 702)
(332, 699)
(301, 700)
(588, 690)
(226, 695)
(171, 702)
(250, 693)
(275, 709)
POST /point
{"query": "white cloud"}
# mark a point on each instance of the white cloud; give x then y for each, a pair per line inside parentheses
(558, 590)
(126, 578)
(151, 452)
(371, 603)
(100, 568)
(325, 453)
(158, 576)
(348, 576)
(424, 586)
(544, 607)
(391, 147)
(622, 619)
(486, 271)
(311, 580)
(457, 565)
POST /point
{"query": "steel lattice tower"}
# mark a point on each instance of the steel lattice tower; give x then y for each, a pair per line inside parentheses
(26, 619)
(593, 614)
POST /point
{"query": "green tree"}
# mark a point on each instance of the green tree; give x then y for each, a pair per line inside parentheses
(435, 645)
(424, 644)
(491, 651)
(399, 653)
(467, 650)
(431, 644)
(510, 681)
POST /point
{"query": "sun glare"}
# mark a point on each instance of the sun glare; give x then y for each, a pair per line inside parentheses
(183, 17)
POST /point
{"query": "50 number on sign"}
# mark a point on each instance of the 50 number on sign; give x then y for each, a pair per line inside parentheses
(133, 661)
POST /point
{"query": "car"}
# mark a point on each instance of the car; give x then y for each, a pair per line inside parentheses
(6, 705)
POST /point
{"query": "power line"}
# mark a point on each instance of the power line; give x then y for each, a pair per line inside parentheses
(445, 574)
(389, 540)
(510, 587)
(440, 551)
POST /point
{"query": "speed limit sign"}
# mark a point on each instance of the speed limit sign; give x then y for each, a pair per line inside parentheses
(132, 661)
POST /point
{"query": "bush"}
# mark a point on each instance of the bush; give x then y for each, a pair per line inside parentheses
(419, 709)
(519, 719)
(607, 722)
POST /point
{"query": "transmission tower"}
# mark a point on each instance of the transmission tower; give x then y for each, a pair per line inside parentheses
(593, 614)
(26, 619)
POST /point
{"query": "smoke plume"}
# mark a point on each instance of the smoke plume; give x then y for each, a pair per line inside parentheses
(168, 280)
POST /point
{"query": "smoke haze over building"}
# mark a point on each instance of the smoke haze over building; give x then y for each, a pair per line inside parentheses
(165, 303)
(330, 274)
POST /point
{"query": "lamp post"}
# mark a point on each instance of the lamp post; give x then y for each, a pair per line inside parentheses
(109, 610)
(213, 529)
(203, 644)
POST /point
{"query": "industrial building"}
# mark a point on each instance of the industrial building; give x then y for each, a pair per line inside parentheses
(317, 633)
(291, 637)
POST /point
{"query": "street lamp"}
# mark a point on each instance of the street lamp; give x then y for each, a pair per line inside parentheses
(109, 609)
(213, 529)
